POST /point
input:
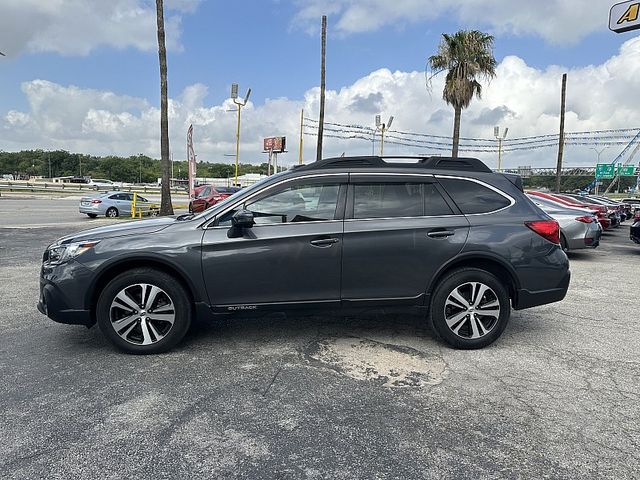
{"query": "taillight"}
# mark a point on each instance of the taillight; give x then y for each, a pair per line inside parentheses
(585, 219)
(548, 229)
(96, 201)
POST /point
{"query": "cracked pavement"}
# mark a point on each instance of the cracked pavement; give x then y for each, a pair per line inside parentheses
(316, 397)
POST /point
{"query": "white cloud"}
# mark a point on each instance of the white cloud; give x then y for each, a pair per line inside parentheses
(521, 97)
(76, 27)
(556, 21)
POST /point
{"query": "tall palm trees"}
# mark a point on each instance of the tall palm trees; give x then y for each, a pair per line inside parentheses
(466, 56)
(165, 202)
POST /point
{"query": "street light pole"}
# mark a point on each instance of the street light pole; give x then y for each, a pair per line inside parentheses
(240, 104)
(383, 128)
(500, 138)
(599, 152)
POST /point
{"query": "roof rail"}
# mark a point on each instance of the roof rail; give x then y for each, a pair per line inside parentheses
(436, 163)
(460, 163)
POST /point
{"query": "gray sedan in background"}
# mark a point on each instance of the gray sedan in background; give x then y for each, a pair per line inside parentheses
(579, 228)
(114, 204)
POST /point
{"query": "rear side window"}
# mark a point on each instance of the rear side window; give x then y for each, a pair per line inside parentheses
(389, 200)
(384, 200)
(471, 197)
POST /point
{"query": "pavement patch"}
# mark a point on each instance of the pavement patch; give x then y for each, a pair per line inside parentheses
(393, 366)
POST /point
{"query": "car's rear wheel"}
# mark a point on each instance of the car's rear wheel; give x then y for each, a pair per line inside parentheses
(112, 212)
(92, 215)
(563, 243)
(144, 311)
(470, 308)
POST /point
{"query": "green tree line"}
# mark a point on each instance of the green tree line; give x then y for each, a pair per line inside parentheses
(133, 169)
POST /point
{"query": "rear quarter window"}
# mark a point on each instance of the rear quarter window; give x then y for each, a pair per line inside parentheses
(471, 197)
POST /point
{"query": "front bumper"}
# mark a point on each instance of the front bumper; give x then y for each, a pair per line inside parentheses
(63, 293)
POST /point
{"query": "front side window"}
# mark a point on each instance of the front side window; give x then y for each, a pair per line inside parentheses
(300, 203)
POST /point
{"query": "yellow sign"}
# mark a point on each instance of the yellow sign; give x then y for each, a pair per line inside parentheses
(624, 16)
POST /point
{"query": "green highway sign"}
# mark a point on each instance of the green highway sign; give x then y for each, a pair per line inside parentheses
(605, 170)
(610, 170)
(627, 170)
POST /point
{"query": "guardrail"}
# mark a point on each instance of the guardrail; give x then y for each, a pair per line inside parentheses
(22, 186)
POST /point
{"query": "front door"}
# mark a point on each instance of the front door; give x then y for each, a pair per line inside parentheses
(291, 255)
(397, 234)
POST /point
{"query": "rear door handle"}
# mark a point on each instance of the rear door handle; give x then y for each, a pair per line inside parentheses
(441, 233)
(324, 242)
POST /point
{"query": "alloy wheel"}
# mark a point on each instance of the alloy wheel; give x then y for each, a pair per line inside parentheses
(142, 314)
(472, 310)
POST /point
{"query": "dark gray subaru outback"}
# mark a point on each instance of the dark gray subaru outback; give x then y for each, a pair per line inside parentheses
(446, 237)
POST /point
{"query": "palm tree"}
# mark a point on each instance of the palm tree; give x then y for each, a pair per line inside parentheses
(165, 203)
(467, 56)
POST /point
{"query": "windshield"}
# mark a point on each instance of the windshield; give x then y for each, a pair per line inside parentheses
(244, 192)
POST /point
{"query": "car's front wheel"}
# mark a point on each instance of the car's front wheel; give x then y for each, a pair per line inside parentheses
(144, 311)
(92, 215)
(112, 212)
(470, 308)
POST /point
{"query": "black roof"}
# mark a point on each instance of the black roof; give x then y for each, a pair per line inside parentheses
(433, 163)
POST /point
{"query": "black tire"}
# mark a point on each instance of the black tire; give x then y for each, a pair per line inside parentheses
(112, 212)
(92, 215)
(440, 311)
(563, 243)
(179, 303)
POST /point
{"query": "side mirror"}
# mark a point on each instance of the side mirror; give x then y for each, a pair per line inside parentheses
(242, 219)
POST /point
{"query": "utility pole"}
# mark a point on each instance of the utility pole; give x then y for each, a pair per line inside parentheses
(301, 133)
(500, 138)
(240, 104)
(561, 139)
(322, 88)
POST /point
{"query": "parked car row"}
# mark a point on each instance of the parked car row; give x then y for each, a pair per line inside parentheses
(583, 218)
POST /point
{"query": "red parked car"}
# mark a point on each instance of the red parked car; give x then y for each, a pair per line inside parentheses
(599, 210)
(209, 196)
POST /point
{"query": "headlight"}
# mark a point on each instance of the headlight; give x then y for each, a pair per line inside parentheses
(57, 254)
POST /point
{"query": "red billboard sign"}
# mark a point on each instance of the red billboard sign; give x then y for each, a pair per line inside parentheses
(275, 144)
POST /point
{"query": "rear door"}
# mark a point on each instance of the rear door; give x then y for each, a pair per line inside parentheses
(398, 231)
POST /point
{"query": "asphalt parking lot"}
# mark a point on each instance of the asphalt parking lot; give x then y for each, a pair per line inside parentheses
(558, 396)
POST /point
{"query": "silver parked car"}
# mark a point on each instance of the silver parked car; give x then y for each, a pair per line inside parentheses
(114, 204)
(579, 228)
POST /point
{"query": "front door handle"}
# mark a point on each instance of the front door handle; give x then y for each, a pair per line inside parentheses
(324, 242)
(441, 233)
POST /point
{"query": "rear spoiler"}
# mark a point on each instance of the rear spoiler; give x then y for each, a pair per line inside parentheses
(515, 179)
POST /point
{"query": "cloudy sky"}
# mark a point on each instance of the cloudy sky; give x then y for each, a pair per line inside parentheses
(82, 75)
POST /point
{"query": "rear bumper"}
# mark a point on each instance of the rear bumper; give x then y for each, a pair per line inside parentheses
(526, 298)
